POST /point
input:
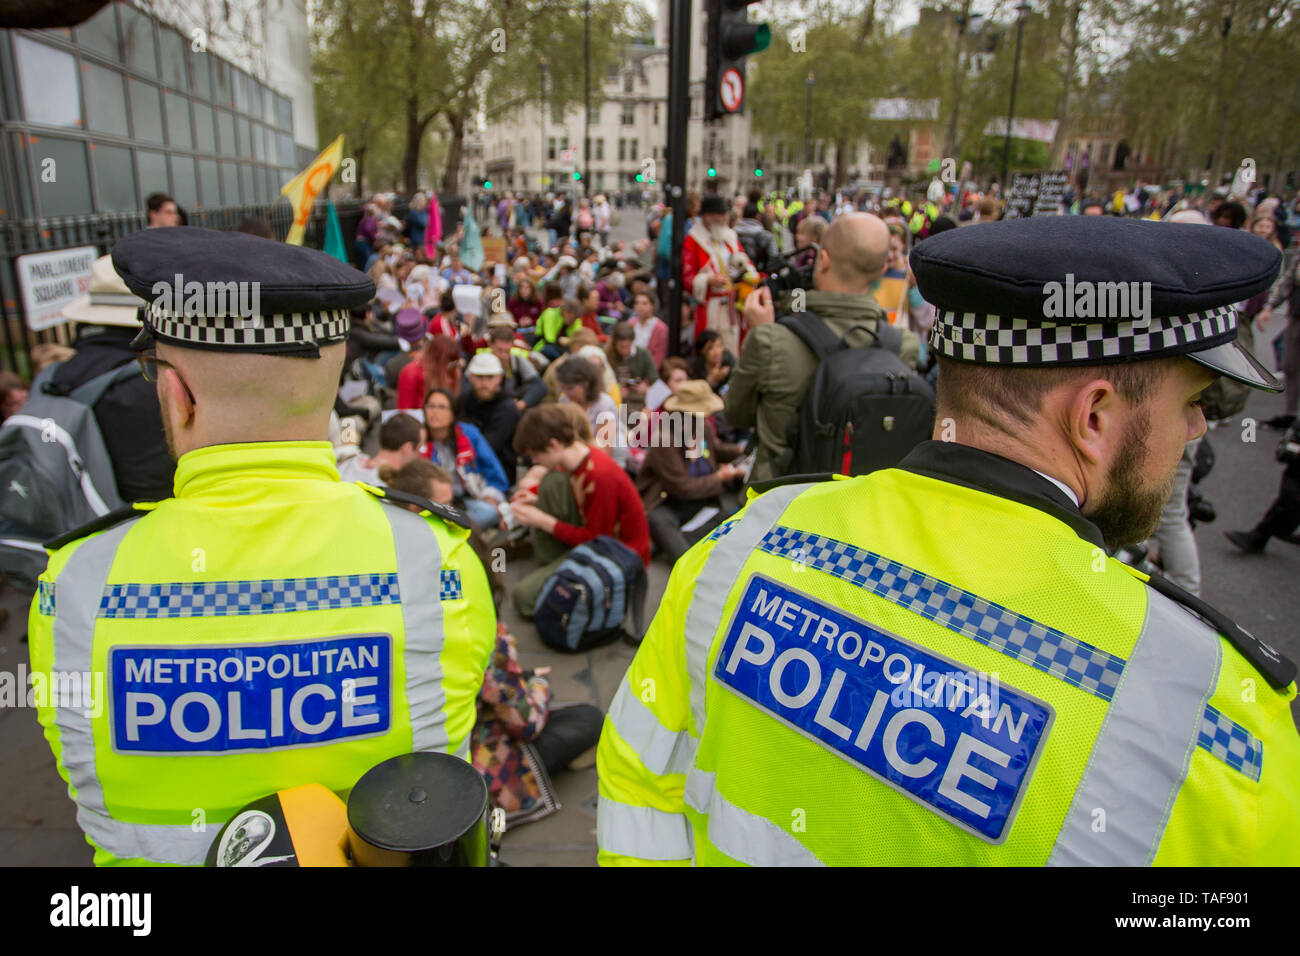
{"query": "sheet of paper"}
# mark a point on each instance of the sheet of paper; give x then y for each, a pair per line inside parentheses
(351, 390)
(702, 517)
(469, 299)
(657, 394)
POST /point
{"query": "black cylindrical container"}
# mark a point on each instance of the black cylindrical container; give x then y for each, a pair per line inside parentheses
(421, 809)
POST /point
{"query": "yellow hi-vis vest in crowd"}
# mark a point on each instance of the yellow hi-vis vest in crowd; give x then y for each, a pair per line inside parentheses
(940, 666)
(269, 626)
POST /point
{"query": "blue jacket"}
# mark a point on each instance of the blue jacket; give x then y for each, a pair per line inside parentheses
(485, 461)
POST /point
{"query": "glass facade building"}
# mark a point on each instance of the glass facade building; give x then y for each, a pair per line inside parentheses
(98, 116)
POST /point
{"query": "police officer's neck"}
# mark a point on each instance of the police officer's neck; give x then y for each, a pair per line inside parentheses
(1036, 449)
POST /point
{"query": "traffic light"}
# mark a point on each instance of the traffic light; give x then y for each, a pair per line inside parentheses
(639, 178)
(731, 38)
(759, 172)
(577, 176)
(487, 184)
(712, 172)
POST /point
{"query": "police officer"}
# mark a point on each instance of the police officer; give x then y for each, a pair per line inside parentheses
(939, 664)
(268, 626)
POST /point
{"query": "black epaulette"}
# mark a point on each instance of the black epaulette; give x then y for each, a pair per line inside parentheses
(1277, 669)
(759, 487)
(117, 516)
(395, 497)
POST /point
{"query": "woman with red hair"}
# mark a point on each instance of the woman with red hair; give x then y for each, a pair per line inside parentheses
(438, 366)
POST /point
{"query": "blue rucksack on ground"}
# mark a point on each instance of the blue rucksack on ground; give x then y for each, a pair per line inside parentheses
(585, 601)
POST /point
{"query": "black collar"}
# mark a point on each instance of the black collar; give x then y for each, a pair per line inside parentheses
(985, 471)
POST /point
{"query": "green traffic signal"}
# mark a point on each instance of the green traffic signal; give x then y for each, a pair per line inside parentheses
(577, 176)
(639, 178)
(487, 184)
(712, 172)
(758, 172)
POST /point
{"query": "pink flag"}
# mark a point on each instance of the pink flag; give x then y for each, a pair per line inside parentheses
(434, 230)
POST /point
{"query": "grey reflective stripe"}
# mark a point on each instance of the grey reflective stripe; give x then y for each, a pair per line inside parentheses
(81, 584)
(660, 749)
(742, 835)
(1141, 755)
(20, 543)
(419, 561)
(716, 580)
(642, 832)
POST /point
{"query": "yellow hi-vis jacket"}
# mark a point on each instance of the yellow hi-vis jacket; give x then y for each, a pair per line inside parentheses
(938, 664)
(267, 627)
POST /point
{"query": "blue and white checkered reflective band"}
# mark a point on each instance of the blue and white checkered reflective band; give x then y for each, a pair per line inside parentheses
(1232, 743)
(45, 597)
(998, 628)
(1002, 340)
(449, 585)
(228, 598)
(720, 531)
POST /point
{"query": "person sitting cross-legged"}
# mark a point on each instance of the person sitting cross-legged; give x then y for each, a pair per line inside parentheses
(583, 495)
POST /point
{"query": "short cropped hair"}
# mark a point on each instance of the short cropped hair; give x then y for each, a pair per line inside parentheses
(399, 430)
(1007, 397)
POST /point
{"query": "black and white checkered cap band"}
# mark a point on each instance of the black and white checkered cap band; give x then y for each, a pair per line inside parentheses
(999, 340)
(251, 333)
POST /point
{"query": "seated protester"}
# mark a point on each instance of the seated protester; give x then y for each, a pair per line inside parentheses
(526, 305)
(454, 270)
(651, 332)
(580, 339)
(13, 393)
(633, 367)
(410, 334)
(437, 366)
(601, 362)
(447, 320)
(589, 303)
(527, 385)
(580, 383)
(712, 363)
(561, 317)
(676, 483)
(519, 741)
(479, 483)
(672, 372)
(400, 439)
(609, 291)
(584, 494)
(422, 478)
(488, 403)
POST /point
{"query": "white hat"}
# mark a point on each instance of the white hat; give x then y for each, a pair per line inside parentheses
(568, 261)
(485, 363)
(110, 302)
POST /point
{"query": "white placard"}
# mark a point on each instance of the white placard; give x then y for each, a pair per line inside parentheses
(50, 280)
(469, 299)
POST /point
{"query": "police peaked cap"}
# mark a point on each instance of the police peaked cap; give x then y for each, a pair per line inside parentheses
(1000, 288)
(303, 296)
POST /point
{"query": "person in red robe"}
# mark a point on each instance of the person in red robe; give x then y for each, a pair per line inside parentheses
(712, 262)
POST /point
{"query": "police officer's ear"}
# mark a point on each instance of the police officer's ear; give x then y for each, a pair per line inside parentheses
(1094, 416)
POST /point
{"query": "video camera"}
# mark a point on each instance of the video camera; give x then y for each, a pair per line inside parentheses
(790, 275)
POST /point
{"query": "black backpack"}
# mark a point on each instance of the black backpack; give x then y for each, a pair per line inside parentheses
(864, 409)
(584, 603)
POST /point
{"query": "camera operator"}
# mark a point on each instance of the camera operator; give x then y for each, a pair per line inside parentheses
(775, 367)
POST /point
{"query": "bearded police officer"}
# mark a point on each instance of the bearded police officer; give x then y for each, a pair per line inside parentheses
(269, 626)
(939, 663)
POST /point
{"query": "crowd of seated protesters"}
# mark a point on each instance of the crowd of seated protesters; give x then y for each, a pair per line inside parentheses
(532, 388)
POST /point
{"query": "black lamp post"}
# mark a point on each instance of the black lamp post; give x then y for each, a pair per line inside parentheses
(1021, 9)
(807, 122)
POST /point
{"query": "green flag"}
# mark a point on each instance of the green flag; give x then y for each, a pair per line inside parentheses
(334, 244)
